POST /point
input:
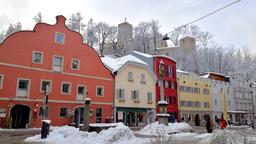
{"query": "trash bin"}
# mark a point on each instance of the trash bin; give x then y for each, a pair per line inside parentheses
(45, 128)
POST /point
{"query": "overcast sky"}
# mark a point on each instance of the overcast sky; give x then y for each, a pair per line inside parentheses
(235, 25)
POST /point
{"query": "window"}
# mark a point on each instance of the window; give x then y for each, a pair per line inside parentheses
(98, 115)
(43, 112)
(167, 99)
(206, 105)
(66, 88)
(57, 63)
(63, 112)
(59, 38)
(75, 64)
(1, 81)
(130, 76)
(143, 78)
(197, 90)
(172, 85)
(206, 91)
(182, 88)
(120, 94)
(23, 88)
(215, 102)
(81, 92)
(135, 95)
(182, 103)
(197, 104)
(169, 71)
(45, 85)
(172, 100)
(149, 96)
(100, 91)
(166, 84)
(37, 57)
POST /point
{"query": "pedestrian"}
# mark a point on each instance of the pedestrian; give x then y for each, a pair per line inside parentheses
(252, 124)
(223, 123)
(208, 125)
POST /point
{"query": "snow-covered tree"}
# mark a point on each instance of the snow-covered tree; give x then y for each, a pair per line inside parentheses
(38, 18)
(13, 28)
(75, 22)
(102, 32)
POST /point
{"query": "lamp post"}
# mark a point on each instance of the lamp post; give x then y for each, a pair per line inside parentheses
(162, 104)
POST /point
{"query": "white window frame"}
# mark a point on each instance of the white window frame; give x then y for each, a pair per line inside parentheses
(102, 91)
(64, 93)
(41, 84)
(42, 57)
(170, 71)
(130, 76)
(17, 87)
(85, 91)
(72, 64)
(2, 81)
(120, 94)
(62, 63)
(150, 94)
(55, 38)
(136, 95)
(143, 78)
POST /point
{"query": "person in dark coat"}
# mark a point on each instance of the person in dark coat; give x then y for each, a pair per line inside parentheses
(208, 125)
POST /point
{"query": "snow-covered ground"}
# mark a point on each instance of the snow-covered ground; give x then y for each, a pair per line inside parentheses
(152, 133)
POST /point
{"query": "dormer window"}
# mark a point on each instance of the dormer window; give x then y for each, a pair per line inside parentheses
(59, 38)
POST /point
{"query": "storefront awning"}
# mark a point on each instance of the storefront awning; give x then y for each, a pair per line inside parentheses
(123, 109)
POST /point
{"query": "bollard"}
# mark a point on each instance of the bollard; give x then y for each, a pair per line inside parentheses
(45, 128)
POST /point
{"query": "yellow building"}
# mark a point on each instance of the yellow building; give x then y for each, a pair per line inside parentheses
(135, 87)
(195, 98)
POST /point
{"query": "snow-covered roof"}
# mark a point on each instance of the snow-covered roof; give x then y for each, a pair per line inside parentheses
(165, 48)
(143, 54)
(153, 56)
(183, 72)
(214, 73)
(162, 102)
(47, 121)
(205, 76)
(116, 64)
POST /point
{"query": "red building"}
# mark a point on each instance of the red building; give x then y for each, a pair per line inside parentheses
(51, 60)
(169, 80)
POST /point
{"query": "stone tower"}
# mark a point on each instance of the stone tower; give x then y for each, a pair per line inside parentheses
(124, 38)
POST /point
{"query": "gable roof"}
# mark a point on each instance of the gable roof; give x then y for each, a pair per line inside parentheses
(116, 64)
(152, 56)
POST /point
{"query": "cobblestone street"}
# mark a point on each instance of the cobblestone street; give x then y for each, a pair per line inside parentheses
(17, 136)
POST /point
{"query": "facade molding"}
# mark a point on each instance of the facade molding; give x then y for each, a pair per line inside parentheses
(53, 101)
(51, 71)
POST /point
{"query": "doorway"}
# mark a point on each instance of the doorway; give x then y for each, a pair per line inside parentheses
(197, 120)
(20, 116)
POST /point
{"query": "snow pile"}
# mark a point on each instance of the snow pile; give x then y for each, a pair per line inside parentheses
(155, 127)
(241, 136)
(67, 135)
(182, 127)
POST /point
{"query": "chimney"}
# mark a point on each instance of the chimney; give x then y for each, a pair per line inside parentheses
(60, 19)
